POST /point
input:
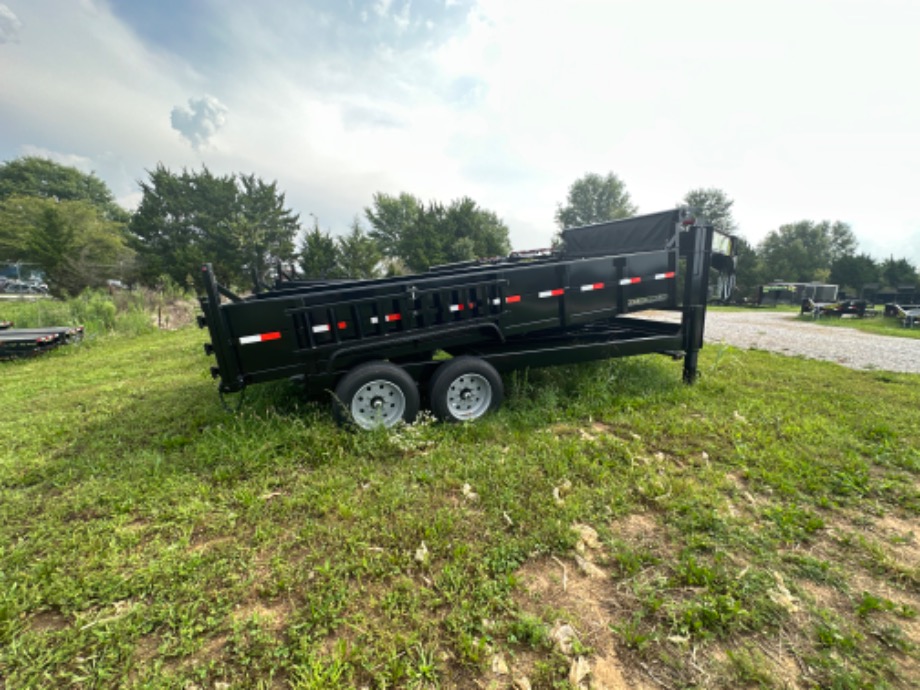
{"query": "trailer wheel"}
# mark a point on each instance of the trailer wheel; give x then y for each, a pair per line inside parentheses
(376, 394)
(464, 389)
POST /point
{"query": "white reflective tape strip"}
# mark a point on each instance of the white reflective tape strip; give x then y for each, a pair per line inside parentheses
(324, 328)
(497, 301)
(375, 320)
(260, 338)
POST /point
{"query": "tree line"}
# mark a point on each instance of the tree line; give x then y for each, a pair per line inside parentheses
(68, 223)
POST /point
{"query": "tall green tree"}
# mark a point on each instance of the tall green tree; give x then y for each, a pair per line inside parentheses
(263, 228)
(358, 254)
(854, 271)
(715, 206)
(319, 255)
(897, 272)
(595, 198)
(804, 251)
(73, 242)
(237, 223)
(421, 236)
(32, 176)
(390, 218)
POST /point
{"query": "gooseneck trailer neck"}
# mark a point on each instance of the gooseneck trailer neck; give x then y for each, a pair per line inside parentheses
(374, 342)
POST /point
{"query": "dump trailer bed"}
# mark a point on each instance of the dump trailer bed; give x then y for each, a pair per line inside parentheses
(503, 314)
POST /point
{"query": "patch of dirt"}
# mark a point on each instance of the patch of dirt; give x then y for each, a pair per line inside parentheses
(146, 648)
(175, 315)
(48, 621)
(273, 616)
(638, 528)
(589, 605)
(202, 545)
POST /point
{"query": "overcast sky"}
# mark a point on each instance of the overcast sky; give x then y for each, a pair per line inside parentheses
(799, 109)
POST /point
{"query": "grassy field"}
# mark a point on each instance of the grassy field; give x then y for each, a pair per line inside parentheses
(609, 526)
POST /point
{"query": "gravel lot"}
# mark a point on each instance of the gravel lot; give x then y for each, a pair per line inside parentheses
(784, 333)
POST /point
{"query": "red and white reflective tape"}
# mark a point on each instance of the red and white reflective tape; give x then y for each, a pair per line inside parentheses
(551, 293)
(592, 286)
(510, 299)
(457, 307)
(630, 281)
(325, 327)
(260, 338)
(663, 276)
(389, 318)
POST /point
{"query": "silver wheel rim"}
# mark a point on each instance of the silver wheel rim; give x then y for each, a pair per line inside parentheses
(378, 403)
(469, 396)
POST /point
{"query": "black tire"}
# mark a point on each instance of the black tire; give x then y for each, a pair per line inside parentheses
(464, 389)
(376, 394)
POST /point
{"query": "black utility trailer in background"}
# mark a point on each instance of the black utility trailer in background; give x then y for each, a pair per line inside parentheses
(375, 343)
(25, 342)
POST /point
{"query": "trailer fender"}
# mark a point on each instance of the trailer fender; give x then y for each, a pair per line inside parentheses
(464, 389)
(376, 394)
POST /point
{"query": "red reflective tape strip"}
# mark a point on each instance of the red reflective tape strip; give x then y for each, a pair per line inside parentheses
(512, 299)
(392, 317)
(342, 325)
(260, 338)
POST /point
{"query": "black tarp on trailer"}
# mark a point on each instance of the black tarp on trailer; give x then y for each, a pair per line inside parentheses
(651, 232)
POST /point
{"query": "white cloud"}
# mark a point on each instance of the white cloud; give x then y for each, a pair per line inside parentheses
(797, 110)
(72, 160)
(9, 25)
(200, 121)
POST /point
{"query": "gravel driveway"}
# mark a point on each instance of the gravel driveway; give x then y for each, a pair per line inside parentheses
(784, 333)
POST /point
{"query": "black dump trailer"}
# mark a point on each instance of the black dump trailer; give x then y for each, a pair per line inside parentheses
(375, 344)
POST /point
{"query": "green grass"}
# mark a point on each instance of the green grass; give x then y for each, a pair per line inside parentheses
(757, 529)
(879, 325)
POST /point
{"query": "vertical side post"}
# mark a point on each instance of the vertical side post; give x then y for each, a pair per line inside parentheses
(695, 289)
(231, 379)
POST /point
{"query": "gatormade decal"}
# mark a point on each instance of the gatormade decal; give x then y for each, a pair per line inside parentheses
(636, 301)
